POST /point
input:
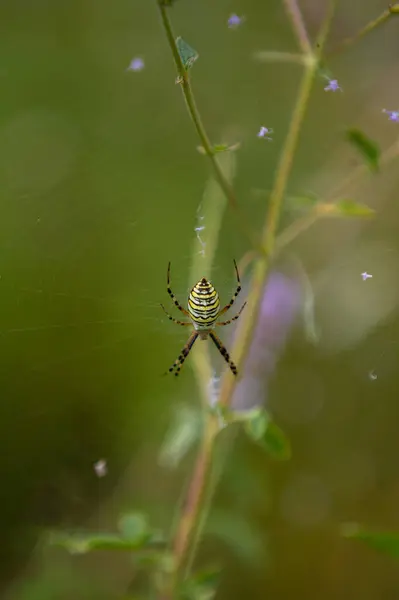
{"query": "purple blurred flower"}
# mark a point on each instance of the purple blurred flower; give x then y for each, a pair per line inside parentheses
(263, 131)
(137, 64)
(392, 114)
(279, 307)
(333, 86)
(366, 276)
(234, 21)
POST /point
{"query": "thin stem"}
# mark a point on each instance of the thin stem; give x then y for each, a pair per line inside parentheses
(190, 516)
(275, 56)
(195, 491)
(183, 78)
(187, 531)
(195, 508)
(349, 41)
(275, 203)
(294, 13)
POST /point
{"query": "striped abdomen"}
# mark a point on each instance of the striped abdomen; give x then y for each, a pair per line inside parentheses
(203, 305)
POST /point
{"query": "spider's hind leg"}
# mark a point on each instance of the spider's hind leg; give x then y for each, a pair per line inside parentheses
(183, 354)
(219, 345)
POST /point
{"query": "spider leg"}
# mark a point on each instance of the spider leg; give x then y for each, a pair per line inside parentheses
(233, 319)
(174, 299)
(183, 354)
(219, 345)
(238, 290)
(185, 323)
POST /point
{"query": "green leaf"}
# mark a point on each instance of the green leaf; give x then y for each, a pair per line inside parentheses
(386, 542)
(218, 148)
(81, 543)
(394, 9)
(302, 202)
(187, 54)
(240, 535)
(260, 428)
(201, 586)
(256, 424)
(134, 527)
(345, 208)
(183, 433)
(365, 146)
(135, 535)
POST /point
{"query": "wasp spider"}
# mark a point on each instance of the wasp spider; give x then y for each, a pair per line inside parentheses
(203, 310)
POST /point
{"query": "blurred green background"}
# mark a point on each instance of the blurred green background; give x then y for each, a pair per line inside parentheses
(100, 184)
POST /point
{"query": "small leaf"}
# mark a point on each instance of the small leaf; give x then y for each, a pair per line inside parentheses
(365, 146)
(134, 527)
(225, 148)
(345, 208)
(302, 202)
(184, 431)
(81, 543)
(394, 9)
(386, 542)
(267, 434)
(201, 586)
(256, 424)
(218, 148)
(187, 54)
(276, 442)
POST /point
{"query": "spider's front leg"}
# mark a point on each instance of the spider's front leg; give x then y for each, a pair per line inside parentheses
(238, 290)
(171, 294)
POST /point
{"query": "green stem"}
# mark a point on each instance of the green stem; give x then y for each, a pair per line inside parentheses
(262, 265)
(275, 56)
(196, 508)
(191, 515)
(183, 78)
(186, 534)
(363, 32)
(294, 13)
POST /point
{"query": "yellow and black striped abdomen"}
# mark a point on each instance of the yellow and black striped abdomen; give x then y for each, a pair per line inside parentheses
(203, 305)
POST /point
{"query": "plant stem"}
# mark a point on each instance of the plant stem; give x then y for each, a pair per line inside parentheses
(195, 510)
(195, 493)
(272, 218)
(349, 41)
(183, 79)
(187, 532)
(274, 56)
(294, 13)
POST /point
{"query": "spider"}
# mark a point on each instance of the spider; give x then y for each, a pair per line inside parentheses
(203, 312)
